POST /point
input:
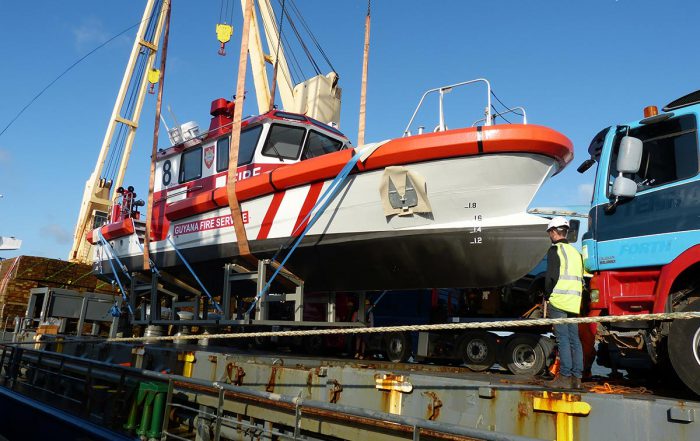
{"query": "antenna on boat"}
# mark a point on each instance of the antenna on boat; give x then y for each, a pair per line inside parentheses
(363, 89)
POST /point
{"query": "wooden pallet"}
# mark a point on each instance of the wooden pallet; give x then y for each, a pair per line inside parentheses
(21, 274)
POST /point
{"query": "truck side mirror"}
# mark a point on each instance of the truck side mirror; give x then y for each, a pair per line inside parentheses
(624, 187)
(629, 157)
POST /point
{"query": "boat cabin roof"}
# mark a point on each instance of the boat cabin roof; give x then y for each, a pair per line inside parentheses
(222, 122)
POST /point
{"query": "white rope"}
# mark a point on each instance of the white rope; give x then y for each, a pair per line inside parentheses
(521, 323)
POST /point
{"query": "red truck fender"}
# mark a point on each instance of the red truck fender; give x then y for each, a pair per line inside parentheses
(669, 274)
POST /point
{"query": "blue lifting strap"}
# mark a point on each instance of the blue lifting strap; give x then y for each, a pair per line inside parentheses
(318, 209)
(108, 249)
(201, 285)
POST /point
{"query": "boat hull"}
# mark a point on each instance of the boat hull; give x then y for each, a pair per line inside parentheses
(476, 234)
(385, 260)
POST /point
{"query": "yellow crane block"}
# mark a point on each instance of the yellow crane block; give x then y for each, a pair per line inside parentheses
(566, 406)
(223, 34)
(153, 76)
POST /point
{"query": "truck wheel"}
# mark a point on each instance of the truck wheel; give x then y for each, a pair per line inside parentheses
(478, 350)
(547, 344)
(524, 355)
(397, 347)
(684, 347)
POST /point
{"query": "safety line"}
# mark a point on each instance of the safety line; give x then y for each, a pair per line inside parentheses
(522, 323)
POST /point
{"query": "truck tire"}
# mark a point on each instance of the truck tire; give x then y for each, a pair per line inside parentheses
(524, 355)
(548, 344)
(684, 347)
(397, 347)
(478, 350)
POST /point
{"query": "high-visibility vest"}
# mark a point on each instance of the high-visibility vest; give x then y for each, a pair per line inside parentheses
(566, 294)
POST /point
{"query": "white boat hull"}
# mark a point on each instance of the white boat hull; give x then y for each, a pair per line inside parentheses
(477, 233)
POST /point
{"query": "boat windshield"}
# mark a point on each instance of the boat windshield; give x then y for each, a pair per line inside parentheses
(284, 142)
(246, 149)
(318, 144)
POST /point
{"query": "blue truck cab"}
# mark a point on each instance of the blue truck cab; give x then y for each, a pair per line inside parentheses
(643, 244)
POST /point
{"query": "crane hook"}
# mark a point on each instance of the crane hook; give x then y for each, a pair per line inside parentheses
(223, 34)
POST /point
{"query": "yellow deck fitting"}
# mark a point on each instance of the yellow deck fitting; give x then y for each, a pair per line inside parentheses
(189, 359)
(394, 386)
(565, 406)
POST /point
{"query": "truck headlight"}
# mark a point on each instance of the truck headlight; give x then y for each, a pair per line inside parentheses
(595, 296)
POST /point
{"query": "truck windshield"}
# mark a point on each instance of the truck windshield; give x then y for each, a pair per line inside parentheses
(670, 152)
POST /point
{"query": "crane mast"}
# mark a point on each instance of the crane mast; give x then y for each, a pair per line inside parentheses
(98, 190)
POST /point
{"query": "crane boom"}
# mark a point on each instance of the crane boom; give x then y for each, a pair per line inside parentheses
(96, 196)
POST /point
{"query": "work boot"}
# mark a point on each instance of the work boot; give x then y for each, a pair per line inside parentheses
(559, 382)
(576, 383)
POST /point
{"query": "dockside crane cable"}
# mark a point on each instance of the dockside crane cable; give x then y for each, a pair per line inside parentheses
(291, 81)
(226, 11)
(303, 45)
(65, 71)
(312, 35)
(277, 54)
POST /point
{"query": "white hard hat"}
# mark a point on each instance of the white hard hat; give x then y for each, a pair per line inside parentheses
(558, 222)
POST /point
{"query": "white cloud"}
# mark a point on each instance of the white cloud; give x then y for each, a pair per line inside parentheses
(57, 233)
(585, 191)
(90, 33)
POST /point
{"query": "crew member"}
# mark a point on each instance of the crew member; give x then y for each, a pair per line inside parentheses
(563, 291)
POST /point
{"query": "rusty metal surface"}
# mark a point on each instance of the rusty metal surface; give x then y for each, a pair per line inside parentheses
(359, 399)
(449, 395)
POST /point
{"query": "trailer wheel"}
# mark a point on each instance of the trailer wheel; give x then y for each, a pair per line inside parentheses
(397, 347)
(684, 347)
(478, 350)
(524, 355)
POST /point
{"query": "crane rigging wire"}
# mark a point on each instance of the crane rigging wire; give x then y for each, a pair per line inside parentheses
(277, 54)
(312, 35)
(271, 15)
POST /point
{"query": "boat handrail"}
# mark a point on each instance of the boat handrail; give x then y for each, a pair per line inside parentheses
(510, 110)
(446, 89)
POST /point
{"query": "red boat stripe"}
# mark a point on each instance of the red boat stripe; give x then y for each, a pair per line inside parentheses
(311, 198)
(270, 215)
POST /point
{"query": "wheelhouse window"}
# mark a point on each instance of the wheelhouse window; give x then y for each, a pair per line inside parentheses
(190, 165)
(669, 154)
(246, 148)
(318, 144)
(284, 142)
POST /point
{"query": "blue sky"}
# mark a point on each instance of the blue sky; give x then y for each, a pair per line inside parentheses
(576, 66)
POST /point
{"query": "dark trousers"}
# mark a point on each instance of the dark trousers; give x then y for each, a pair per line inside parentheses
(570, 351)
